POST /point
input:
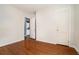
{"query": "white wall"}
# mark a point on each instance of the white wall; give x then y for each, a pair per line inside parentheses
(76, 27)
(54, 24)
(11, 24)
(57, 24)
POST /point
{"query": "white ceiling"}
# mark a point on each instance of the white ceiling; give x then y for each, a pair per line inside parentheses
(30, 7)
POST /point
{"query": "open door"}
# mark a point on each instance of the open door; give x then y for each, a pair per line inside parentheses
(29, 40)
(27, 28)
(27, 32)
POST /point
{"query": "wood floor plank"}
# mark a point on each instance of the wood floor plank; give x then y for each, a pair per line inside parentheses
(33, 47)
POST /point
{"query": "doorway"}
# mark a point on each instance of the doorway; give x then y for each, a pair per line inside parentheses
(27, 28)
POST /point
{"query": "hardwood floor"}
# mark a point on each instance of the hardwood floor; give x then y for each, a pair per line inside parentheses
(32, 47)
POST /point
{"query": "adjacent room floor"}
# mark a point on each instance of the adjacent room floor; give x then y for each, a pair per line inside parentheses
(32, 47)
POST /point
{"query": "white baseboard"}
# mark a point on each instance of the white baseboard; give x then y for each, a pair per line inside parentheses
(76, 48)
(8, 43)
